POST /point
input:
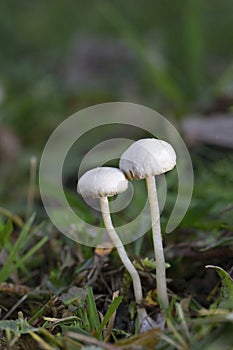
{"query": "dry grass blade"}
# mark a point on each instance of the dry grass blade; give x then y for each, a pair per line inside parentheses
(15, 218)
(19, 302)
(91, 340)
(41, 342)
(112, 319)
(147, 340)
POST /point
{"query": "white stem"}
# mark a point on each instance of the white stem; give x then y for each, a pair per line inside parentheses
(121, 250)
(157, 240)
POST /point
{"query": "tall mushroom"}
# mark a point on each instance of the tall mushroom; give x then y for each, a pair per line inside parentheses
(144, 159)
(104, 182)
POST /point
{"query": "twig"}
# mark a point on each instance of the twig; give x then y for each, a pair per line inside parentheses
(19, 302)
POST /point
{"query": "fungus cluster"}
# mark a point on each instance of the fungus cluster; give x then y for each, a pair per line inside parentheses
(142, 160)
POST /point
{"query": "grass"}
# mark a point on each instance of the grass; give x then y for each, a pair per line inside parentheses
(48, 302)
(58, 310)
(14, 261)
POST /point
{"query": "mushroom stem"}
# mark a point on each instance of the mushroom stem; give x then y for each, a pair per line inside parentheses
(104, 205)
(157, 240)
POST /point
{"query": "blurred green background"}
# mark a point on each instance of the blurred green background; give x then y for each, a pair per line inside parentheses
(58, 57)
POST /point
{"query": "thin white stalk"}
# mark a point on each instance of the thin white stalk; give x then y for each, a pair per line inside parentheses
(104, 205)
(157, 240)
(32, 186)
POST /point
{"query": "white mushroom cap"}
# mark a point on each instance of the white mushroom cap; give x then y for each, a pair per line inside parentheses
(102, 182)
(147, 157)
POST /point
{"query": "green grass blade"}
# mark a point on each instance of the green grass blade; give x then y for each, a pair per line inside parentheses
(8, 266)
(112, 308)
(5, 232)
(226, 298)
(92, 310)
(32, 251)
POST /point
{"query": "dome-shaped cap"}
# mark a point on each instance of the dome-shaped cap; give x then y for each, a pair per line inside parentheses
(102, 182)
(147, 157)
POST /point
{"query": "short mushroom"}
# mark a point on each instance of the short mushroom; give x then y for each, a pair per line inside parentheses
(104, 182)
(144, 159)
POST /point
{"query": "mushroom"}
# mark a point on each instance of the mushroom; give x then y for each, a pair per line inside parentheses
(104, 182)
(144, 159)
